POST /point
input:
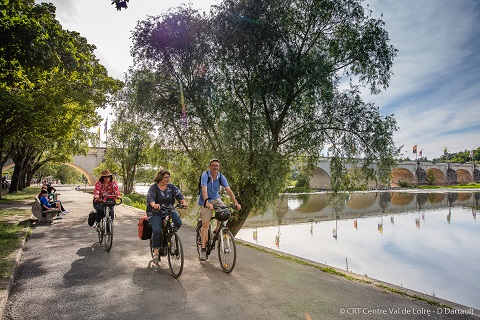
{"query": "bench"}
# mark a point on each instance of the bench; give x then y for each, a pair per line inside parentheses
(42, 215)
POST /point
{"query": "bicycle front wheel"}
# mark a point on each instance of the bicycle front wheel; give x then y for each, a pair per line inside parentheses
(227, 252)
(175, 254)
(151, 248)
(108, 233)
(199, 238)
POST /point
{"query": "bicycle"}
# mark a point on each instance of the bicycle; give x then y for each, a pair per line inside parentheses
(170, 241)
(227, 253)
(105, 226)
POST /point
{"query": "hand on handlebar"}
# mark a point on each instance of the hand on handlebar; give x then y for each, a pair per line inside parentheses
(157, 206)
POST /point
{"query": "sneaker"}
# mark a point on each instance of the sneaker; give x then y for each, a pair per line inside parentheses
(65, 211)
(203, 255)
(59, 217)
(156, 259)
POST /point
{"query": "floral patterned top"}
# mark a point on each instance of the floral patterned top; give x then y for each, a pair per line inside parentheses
(101, 189)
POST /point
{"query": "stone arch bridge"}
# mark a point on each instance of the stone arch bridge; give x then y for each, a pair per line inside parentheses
(411, 172)
(84, 164)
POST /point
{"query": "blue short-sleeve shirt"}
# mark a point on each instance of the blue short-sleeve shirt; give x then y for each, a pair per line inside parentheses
(44, 201)
(213, 186)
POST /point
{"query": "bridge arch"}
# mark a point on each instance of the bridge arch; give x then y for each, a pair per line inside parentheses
(440, 177)
(361, 200)
(320, 179)
(90, 178)
(8, 166)
(402, 175)
(463, 176)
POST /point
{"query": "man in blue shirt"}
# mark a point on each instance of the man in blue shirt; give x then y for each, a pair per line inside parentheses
(46, 204)
(210, 182)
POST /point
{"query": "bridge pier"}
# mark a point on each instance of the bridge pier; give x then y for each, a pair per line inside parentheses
(411, 172)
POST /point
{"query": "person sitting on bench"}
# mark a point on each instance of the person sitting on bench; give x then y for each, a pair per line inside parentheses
(47, 205)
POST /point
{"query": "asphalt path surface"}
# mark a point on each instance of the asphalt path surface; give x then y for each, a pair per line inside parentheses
(65, 273)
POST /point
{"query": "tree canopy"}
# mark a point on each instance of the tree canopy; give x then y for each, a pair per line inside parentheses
(257, 84)
(51, 84)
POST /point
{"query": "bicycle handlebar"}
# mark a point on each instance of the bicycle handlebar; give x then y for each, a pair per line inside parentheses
(165, 209)
(111, 200)
(232, 206)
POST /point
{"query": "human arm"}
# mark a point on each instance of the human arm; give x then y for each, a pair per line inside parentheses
(116, 192)
(179, 196)
(231, 195)
(205, 197)
(44, 203)
(151, 193)
(97, 191)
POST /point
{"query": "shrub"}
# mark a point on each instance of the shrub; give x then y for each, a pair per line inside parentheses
(303, 180)
(404, 184)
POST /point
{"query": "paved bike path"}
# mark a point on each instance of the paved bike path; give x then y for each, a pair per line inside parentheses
(65, 274)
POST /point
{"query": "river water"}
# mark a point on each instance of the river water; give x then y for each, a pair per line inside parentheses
(428, 242)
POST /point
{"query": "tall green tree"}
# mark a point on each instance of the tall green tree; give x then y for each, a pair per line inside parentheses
(128, 141)
(257, 84)
(51, 84)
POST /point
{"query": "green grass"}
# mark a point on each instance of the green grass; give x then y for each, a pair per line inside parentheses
(14, 224)
(465, 186)
(26, 194)
(457, 186)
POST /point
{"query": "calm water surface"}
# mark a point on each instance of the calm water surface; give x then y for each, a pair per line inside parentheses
(425, 242)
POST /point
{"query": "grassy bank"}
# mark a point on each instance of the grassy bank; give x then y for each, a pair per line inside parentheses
(14, 224)
(457, 186)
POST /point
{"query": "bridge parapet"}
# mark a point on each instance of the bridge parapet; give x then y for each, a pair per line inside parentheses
(411, 172)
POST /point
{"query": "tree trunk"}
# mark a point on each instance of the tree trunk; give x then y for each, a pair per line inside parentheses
(15, 178)
(235, 226)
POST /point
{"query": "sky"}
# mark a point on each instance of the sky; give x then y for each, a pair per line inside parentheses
(434, 93)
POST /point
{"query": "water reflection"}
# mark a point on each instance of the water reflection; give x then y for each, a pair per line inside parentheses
(297, 208)
(423, 241)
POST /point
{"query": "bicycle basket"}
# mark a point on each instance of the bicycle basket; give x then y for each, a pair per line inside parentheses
(109, 202)
(222, 214)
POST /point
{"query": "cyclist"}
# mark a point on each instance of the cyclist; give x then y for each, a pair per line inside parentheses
(210, 183)
(162, 192)
(105, 186)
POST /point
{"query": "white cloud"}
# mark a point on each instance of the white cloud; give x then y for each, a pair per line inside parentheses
(436, 87)
(435, 90)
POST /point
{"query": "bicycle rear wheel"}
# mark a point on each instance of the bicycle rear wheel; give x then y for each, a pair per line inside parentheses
(175, 254)
(227, 251)
(108, 233)
(100, 230)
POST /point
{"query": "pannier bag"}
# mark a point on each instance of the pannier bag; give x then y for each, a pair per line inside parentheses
(91, 218)
(144, 228)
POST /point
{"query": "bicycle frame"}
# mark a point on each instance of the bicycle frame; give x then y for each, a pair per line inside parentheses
(105, 230)
(171, 243)
(227, 253)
